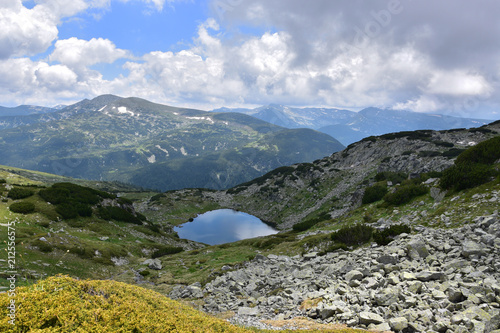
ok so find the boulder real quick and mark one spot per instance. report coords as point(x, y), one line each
point(398, 324)
point(367, 318)
point(417, 249)
point(153, 264)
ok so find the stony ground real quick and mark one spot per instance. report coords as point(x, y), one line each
point(437, 280)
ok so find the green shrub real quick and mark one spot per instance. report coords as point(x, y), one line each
point(22, 207)
point(463, 176)
point(42, 246)
point(84, 210)
point(353, 236)
point(2, 181)
point(145, 273)
point(124, 201)
point(486, 152)
point(410, 135)
point(166, 250)
point(84, 253)
point(428, 153)
point(454, 152)
point(309, 223)
point(333, 248)
point(20, 193)
point(394, 177)
point(374, 193)
point(384, 237)
point(405, 194)
point(68, 192)
point(443, 143)
point(55, 195)
point(67, 211)
point(118, 214)
point(473, 167)
point(157, 197)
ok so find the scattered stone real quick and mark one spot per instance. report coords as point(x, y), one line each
point(440, 280)
point(153, 264)
point(367, 318)
point(398, 324)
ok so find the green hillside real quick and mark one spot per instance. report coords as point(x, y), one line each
point(408, 180)
point(124, 139)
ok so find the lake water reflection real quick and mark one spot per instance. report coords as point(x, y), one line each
point(223, 226)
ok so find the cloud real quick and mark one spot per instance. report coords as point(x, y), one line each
point(383, 53)
point(388, 53)
point(78, 53)
point(36, 82)
point(55, 78)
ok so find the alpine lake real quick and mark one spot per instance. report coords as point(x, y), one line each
point(223, 226)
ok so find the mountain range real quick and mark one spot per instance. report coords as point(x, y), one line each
point(409, 215)
point(155, 146)
point(349, 126)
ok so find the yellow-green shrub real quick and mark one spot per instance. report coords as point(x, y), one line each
point(63, 304)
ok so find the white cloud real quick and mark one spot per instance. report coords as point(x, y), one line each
point(55, 78)
point(421, 58)
point(25, 31)
point(77, 53)
point(458, 83)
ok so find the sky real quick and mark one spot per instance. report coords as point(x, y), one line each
point(424, 56)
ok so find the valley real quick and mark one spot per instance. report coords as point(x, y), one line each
point(398, 181)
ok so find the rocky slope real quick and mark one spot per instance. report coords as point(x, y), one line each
point(335, 185)
point(437, 280)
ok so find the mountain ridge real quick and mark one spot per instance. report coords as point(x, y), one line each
point(349, 126)
point(114, 138)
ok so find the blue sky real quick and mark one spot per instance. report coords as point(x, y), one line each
point(398, 54)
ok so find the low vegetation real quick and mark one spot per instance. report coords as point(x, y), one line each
point(63, 304)
point(22, 207)
point(473, 167)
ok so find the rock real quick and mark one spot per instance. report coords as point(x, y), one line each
point(437, 194)
point(429, 276)
point(367, 318)
point(353, 275)
point(153, 264)
point(470, 248)
point(246, 311)
point(384, 327)
point(407, 276)
point(193, 291)
point(398, 324)
point(386, 259)
point(387, 297)
point(417, 249)
point(455, 295)
point(310, 255)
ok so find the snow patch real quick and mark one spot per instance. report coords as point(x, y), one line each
point(202, 118)
point(183, 151)
point(162, 149)
point(122, 109)
point(102, 108)
point(152, 159)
